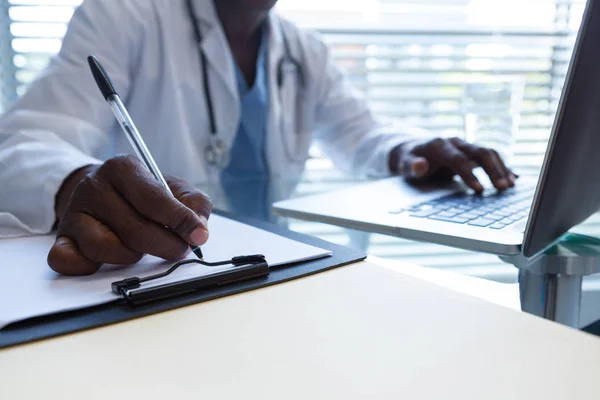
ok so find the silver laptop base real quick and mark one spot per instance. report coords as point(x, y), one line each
point(550, 284)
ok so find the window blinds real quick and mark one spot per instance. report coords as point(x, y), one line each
point(415, 61)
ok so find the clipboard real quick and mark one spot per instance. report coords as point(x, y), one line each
point(119, 310)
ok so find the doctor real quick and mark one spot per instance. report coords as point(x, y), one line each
point(220, 89)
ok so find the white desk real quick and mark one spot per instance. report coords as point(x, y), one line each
point(503, 294)
point(360, 331)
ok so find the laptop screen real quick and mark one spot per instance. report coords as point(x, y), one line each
point(568, 191)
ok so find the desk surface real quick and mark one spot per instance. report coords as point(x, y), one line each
point(361, 331)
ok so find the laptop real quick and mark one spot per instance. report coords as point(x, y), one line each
point(525, 219)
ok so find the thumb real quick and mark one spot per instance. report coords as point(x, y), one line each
point(414, 167)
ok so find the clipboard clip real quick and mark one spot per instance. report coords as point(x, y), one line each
point(247, 267)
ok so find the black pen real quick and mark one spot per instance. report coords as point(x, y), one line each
point(110, 95)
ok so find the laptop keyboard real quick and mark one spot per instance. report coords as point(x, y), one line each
point(491, 209)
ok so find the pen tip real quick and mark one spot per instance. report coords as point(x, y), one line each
point(198, 252)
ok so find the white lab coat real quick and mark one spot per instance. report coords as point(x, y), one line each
point(147, 46)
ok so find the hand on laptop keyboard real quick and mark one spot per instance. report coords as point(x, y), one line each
point(441, 159)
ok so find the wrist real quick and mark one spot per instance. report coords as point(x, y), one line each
point(394, 157)
point(65, 191)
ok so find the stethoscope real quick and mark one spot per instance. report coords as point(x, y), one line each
point(216, 152)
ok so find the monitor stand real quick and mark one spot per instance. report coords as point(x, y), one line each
point(550, 283)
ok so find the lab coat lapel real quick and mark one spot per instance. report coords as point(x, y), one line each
point(220, 62)
point(274, 141)
point(214, 45)
point(285, 147)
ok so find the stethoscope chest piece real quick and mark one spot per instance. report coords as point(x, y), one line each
point(216, 153)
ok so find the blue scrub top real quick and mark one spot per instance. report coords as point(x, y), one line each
point(248, 163)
